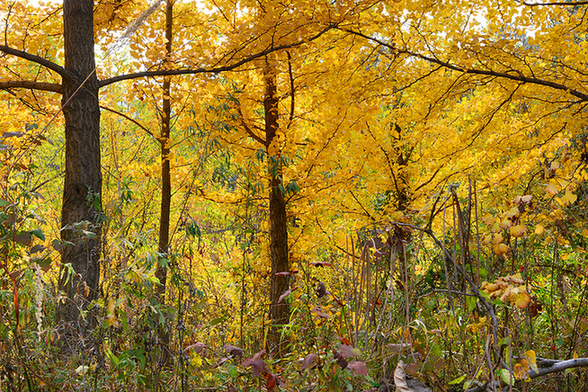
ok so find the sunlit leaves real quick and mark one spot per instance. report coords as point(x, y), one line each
point(508, 289)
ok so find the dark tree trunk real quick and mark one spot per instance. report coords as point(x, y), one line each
point(279, 311)
point(164, 139)
point(82, 190)
point(165, 208)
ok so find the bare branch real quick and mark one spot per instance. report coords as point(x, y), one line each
point(213, 70)
point(249, 131)
point(31, 85)
point(36, 59)
point(516, 77)
point(556, 3)
point(131, 120)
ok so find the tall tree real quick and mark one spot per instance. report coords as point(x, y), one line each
point(279, 258)
point(82, 190)
point(82, 210)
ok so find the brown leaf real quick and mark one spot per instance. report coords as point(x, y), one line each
point(400, 378)
point(257, 366)
point(396, 348)
point(348, 351)
point(321, 264)
point(359, 367)
point(271, 381)
point(285, 294)
point(197, 347)
point(321, 290)
point(341, 361)
point(317, 310)
point(233, 350)
point(308, 361)
point(23, 238)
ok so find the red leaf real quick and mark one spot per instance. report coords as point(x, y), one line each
point(198, 347)
point(271, 383)
point(257, 366)
point(286, 293)
point(309, 360)
point(359, 367)
point(321, 264)
point(233, 350)
point(285, 273)
point(317, 310)
point(348, 351)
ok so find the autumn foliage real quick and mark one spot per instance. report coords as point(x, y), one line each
point(305, 195)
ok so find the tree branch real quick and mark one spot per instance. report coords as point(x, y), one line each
point(213, 70)
point(35, 59)
point(559, 366)
point(556, 3)
point(131, 120)
point(31, 85)
point(518, 77)
point(554, 366)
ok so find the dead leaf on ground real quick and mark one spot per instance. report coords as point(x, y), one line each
point(400, 378)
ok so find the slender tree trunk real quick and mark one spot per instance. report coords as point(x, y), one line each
point(165, 209)
point(82, 190)
point(279, 311)
point(164, 139)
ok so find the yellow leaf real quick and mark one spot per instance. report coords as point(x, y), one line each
point(522, 300)
point(568, 198)
point(111, 305)
point(539, 229)
point(551, 189)
point(518, 230)
point(531, 359)
point(520, 370)
point(500, 249)
point(505, 224)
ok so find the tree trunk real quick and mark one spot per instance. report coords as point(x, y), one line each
point(82, 190)
point(164, 139)
point(165, 208)
point(279, 311)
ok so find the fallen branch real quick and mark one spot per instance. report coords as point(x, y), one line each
point(547, 366)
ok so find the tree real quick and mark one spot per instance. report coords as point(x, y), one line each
point(82, 209)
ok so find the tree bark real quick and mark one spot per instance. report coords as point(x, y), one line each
point(164, 139)
point(279, 311)
point(165, 207)
point(82, 190)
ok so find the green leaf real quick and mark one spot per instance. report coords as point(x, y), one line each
point(506, 377)
point(457, 380)
point(232, 371)
point(89, 234)
point(471, 302)
point(39, 234)
point(4, 203)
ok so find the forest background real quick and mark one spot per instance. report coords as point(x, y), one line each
point(297, 195)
